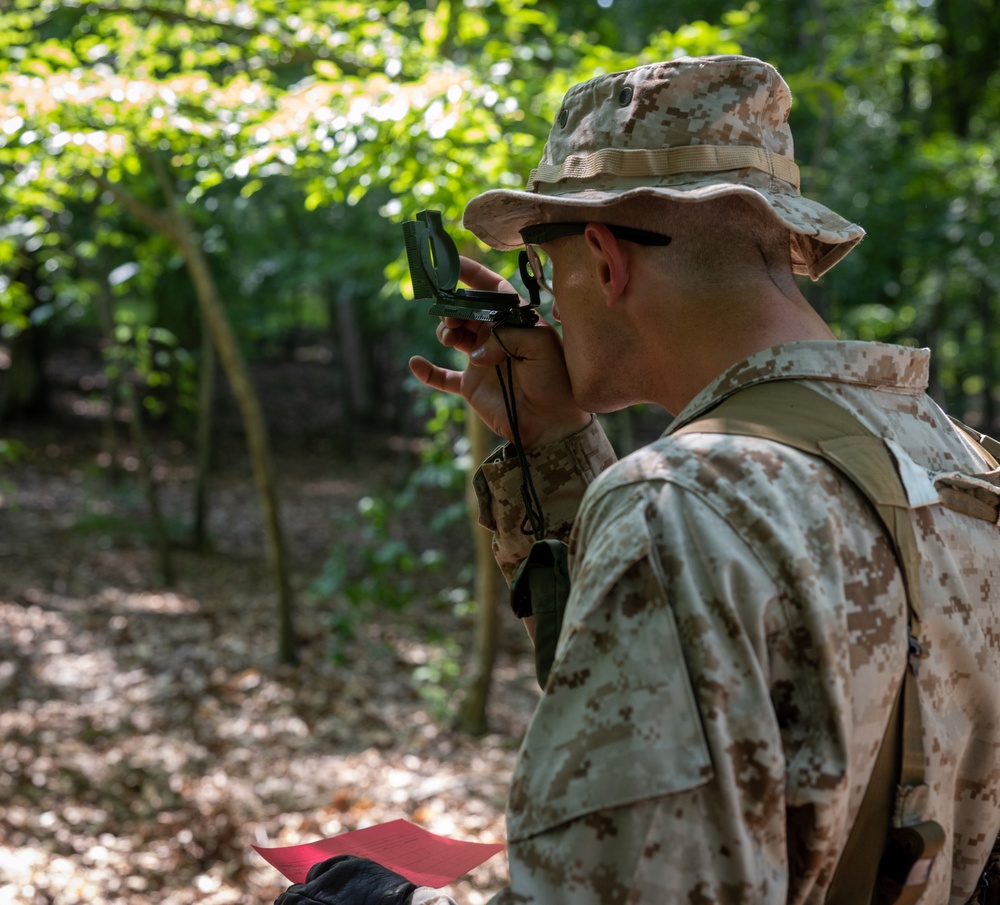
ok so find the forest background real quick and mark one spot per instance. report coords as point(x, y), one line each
point(241, 597)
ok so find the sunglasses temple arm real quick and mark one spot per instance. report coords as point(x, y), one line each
point(529, 280)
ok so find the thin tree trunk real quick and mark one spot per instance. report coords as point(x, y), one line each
point(989, 374)
point(355, 397)
point(238, 373)
point(173, 225)
point(930, 336)
point(23, 388)
point(472, 714)
point(105, 314)
point(148, 482)
point(825, 120)
point(206, 414)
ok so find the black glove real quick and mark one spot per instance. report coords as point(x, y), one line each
point(348, 880)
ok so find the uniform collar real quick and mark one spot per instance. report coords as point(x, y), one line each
point(863, 364)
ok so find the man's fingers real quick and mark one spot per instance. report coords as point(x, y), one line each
point(489, 353)
point(478, 276)
point(436, 378)
point(462, 334)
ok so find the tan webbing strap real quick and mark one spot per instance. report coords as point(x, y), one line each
point(911, 764)
point(989, 447)
point(857, 868)
point(794, 415)
point(653, 162)
point(975, 495)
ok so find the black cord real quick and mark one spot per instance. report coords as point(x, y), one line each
point(534, 518)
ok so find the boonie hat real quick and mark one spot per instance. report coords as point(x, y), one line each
point(686, 130)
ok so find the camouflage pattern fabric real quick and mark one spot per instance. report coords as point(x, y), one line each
point(560, 472)
point(731, 650)
point(687, 130)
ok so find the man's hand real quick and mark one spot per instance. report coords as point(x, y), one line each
point(348, 880)
point(543, 396)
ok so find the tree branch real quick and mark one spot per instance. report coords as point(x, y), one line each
point(160, 170)
point(142, 212)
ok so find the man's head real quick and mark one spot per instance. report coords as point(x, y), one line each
point(687, 130)
point(650, 320)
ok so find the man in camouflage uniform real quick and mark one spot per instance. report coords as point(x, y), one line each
point(736, 629)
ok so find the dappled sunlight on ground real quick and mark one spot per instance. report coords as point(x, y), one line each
point(147, 735)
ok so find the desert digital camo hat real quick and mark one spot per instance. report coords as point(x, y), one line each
point(687, 130)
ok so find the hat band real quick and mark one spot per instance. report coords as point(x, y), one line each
point(665, 162)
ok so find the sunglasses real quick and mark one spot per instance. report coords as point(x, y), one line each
point(540, 233)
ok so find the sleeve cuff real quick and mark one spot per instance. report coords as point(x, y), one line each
point(560, 471)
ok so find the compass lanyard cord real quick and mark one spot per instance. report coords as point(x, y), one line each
point(534, 518)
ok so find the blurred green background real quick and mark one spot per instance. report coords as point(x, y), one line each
point(286, 140)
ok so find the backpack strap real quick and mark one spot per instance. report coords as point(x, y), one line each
point(793, 414)
point(978, 495)
point(870, 869)
point(988, 447)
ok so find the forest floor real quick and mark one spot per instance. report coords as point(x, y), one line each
point(148, 734)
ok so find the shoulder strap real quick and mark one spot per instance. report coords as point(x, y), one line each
point(797, 416)
point(793, 414)
point(989, 447)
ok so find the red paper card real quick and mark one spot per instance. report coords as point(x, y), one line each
point(420, 856)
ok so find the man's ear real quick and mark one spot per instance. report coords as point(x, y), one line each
point(610, 260)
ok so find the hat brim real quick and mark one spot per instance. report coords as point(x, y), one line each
point(819, 237)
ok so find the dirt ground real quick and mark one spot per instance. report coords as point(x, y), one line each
point(148, 735)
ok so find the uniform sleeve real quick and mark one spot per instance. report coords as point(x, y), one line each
point(684, 679)
point(561, 472)
point(719, 691)
point(623, 789)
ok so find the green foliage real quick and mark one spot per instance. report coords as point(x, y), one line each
point(151, 357)
point(378, 570)
point(437, 680)
point(303, 122)
point(444, 454)
point(374, 571)
point(12, 452)
point(295, 136)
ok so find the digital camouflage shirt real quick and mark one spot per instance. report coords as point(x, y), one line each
point(732, 646)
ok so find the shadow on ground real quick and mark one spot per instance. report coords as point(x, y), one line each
point(147, 734)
